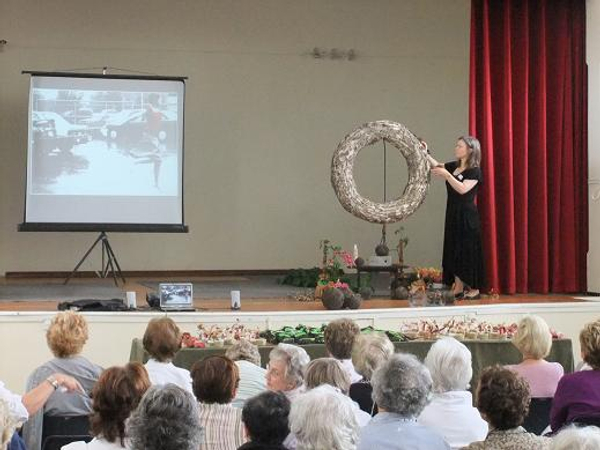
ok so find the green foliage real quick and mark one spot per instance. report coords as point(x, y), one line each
point(302, 277)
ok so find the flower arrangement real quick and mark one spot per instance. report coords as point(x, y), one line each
point(430, 274)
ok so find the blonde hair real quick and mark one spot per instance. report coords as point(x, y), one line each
point(327, 371)
point(369, 352)
point(67, 334)
point(533, 338)
point(589, 338)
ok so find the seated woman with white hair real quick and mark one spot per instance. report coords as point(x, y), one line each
point(534, 341)
point(331, 372)
point(285, 371)
point(401, 388)
point(323, 418)
point(451, 410)
point(581, 438)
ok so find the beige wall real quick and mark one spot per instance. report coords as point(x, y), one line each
point(263, 118)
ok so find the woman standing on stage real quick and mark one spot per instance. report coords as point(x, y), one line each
point(462, 259)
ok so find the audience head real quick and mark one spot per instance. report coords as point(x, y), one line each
point(116, 394)
point(7, 424)
point(402, 385)
point(313, 414)
point(244, 350)
point(533, 338)
point(583, 438)
point(286, 367)
point(266, 418)
point(327, 371)
point(67, 334)
point(162, 339)
point(449, 363)
point(339, 337)
point(502, 398)
point(369, 352)
point(167, 418)
point(215, 379)
point(589, 338)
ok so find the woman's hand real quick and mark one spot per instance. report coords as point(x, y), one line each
point(68, 383)
point(440, 172)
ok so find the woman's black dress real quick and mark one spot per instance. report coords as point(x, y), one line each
point(463, 256)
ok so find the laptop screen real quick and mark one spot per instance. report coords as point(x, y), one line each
point(176, 295)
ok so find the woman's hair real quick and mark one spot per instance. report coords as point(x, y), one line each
point(402, 385)
point(449, 363)
point(116, 394)
point(369, 352)
point(327, 371)
point(244, 350)
point(580, 438)
point(589, 338)
point(67, 334)
point(162, 339)
point(503, 397)
point(215, 379)
point(167, 418)
point(474, 149)
point(533, 338)
point(339, 337)
point(295, 359)
point(266, 418)
point(313, 414)
point(8, 424)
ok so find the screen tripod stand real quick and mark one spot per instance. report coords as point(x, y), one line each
point(110, 265)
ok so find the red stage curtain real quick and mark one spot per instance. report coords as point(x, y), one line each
point(528, 107)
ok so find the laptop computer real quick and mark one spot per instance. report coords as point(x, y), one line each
point(176, 296)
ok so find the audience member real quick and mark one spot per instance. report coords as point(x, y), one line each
point(503, 401)
point(8, 424)
point(66, 336)
point(339, 338)
point(167, 418)
point(401, 388)
point(451, 412)
point(162, 341)
point(285, 371)
point(577, 396)
point(534, 341)
point(215, 381)
point(252, 375)
point(580, 438)
point(265, 418)
point(368, 353)
point(116, 394)
point(323, 418)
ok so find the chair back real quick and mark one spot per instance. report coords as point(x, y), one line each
point(538, 418)
point(58, 431)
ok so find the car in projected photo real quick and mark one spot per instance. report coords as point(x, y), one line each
point(52, 132)
point(130, 128)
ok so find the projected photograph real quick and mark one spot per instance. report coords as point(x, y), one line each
point(116, 143)
point(175, 294)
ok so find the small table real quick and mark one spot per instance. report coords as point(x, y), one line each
point(395, 270)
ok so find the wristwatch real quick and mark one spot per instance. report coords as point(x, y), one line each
point(53, 381)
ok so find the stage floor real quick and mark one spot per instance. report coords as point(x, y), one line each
point(210, 294)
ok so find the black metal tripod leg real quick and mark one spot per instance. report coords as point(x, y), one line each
point(84, 258)
point(113, 260)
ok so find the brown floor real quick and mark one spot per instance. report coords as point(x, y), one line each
point(267, 304)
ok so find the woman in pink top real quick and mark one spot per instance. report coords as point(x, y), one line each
point(533, 339)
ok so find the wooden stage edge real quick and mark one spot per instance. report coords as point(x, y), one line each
point(249, 304)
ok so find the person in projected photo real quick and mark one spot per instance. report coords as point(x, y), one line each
point(150, 138)
point(462, 261)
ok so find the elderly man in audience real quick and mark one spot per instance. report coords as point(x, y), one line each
point(368, 353)
point(265, 418)
point(252, 375)
point(503, 401)
point(534, 341)
point(580, 438)
point(401, 388)
point(285, 371)
point(166, 419)
point(215, 382)
point(324, 418)
point(451, 411)
point(330, 371)
point(66, 336)
point(162, 340)
point(577, 397)
point(116, 394)
point(339, 337)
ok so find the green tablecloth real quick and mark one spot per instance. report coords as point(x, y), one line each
point(485, 353)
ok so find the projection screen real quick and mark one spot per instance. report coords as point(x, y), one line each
point(105, 153)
